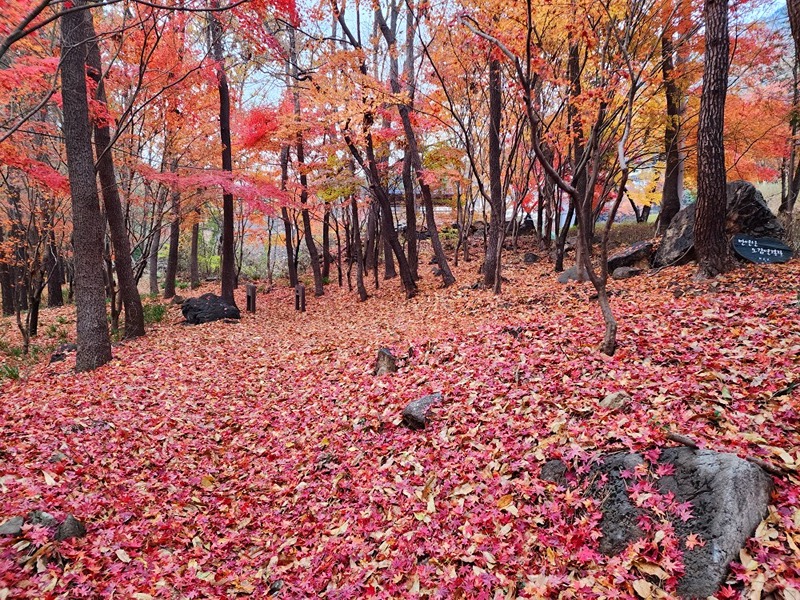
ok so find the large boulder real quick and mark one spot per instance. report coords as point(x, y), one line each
point(747, 213)
point(729, 497)
point(636, 255)
point(207, 308)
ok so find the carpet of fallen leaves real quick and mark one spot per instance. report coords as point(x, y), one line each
point(234, 460)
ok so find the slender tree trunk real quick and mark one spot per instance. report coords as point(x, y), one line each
point(413, 150)
point(134, 315)
point(228, 275)
point(174, 241)
point(327, 259)
point(55, 273)
point(671, 194)
point(710, 241)
point(6, 284)
point(287, 222)
point(152, 260)
point(94, 345)
point(582, 203)
point(362, 290)
point(194, 266)
point(494, 243)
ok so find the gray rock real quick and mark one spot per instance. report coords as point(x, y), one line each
point(620, 522)
point(415, 415)
point(39, 517)
point(385, 363)
point(177, 299)
point(554, 471)
point(746, 212)
point(70, 528)
point(571, 274)
point(626, 272)
point(61, 352)
point(530, 258)
point(615, 400)
point(729, 497)
point(677, 245)
point(637, 254)
point(12, 527)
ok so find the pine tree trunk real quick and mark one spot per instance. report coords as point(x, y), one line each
point(710, 241)
point(94, 345)
point(671, 193)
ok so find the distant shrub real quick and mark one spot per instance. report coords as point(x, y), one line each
point(9, 372)
point(154, 313)
point(625, 234)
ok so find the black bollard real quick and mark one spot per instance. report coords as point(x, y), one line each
point(251, 297)
point(300, 297)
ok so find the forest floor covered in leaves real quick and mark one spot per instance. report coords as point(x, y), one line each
point(234, 460)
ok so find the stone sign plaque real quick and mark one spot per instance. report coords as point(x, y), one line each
point(761, 249)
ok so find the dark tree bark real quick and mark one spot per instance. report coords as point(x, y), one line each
point(582, 203)
point(152, 260)
point(194, 266)
point(134, 315)
point(228, 275)
point(94, 345)
point(710, 241)
point(55, 273)
point(494, 243)
point(327, 259)
point(6, 284)
point(408, 182)
point(358, 258)
point(792, 169)
point(174, 242)
point(287, 222)
point(671, 193)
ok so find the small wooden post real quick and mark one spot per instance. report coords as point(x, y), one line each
point(251, 297)
point(300, 297)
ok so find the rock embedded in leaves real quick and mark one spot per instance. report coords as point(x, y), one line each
point(177, 299)
point(729, 497)
point(207, 308)
point(636, 255)
point(415, 415)
point(554, 471)
point(70, 528)
point(626, 272)
point(530, 258)
point(385, 363)
point(12, 527)
point(615, 400)
point(61, 352)
point(571, 274)
point(746, 213)
point(40, 517)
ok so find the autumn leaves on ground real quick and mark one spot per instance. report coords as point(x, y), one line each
point(232, 460)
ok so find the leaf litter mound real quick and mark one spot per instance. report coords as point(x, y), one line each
point(234, 460)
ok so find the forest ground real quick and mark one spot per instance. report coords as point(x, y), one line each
point(234, 460)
